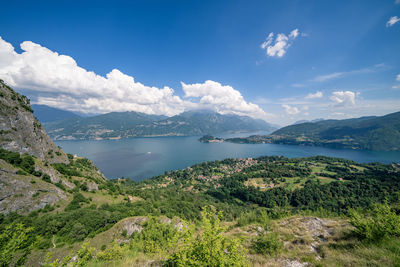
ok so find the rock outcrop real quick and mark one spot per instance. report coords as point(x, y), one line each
point(25, 193)
point(24, 189)
point(21, 132)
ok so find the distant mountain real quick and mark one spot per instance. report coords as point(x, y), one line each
point(304, 121)
point(48, 114)
point(117, 125)
point(374, 133)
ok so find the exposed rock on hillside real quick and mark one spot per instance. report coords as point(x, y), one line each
point(21, 132)
point(34, 172)
point(25, 193)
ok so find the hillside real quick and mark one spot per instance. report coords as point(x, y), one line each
point(118, 125)
point(275, 211)
point(34, 172)
point(373, 133)
point(48, 114)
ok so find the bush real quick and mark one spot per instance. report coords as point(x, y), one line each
point(210, 248)
point(267, 244)
point(156, 236)
point(46, 178)
point(13, 238)
point(78, 232)
point(378, 223)
point(76, 202)
point(115, 252)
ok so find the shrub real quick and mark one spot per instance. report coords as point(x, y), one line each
point(210, 247)
point(46, 178)
point(115, 252)
point(78, 232)
point(267, 244)
point(14, 237)
point(156, 236)
point(76, 202)
point(378, 223)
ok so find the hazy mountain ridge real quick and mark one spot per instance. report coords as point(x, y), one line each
point(118, 125)
point(46, 114)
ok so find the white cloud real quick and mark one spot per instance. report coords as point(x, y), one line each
point(335, 75)
point(222, 98)
point(277, 47)
point(317, 94)
point(344, 98)
point(60, 82)
point(323, 78)
point(397, 1)
point(398, 77)
point(393, 20)
point(291, 110)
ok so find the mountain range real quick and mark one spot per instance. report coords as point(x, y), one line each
point(371, 133)
point(116, 125)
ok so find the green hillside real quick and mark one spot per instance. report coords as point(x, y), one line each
point(373, 133)
point(272, 211)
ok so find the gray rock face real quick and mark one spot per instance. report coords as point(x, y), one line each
point(25, 193)
point(21, 132)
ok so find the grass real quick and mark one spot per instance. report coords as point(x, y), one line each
point(351, 252)
point(102, 197)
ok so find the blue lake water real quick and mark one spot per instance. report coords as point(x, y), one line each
point(141, 158)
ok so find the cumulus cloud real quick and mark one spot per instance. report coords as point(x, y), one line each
point(277, 46)
point(291, 110)
point(222, 98)
point(317, 94)
point(60, 82)
point(344, 98)
point(393, 20)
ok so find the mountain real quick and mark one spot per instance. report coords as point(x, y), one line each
point(34, 172)
point(304, 121)
point(48, 114)
point(373, 133)
point(118, 125)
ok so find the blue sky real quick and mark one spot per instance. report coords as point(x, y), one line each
point(337, 59)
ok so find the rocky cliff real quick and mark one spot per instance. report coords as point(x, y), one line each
point(34, 172)
point(21, 132)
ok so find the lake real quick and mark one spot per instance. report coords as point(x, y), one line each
point(141, 158)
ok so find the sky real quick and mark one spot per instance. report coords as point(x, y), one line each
point(281, 61)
